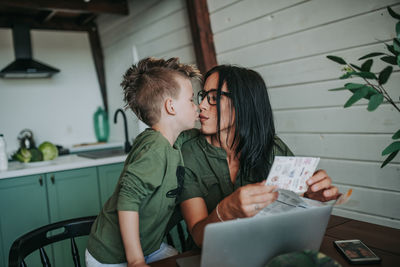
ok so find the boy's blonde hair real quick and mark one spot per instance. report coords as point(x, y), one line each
point(146, 84)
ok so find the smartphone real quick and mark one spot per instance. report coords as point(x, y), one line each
point(356, 252)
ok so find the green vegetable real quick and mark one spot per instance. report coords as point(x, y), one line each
point(48, 150)
point(36, 155)
point(23, 155)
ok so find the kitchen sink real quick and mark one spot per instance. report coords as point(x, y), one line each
point(105, 153)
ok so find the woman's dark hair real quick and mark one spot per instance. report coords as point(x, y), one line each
point(254, 124)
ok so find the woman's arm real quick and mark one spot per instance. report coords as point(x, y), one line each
point(246, 201)
point(195, 213)
point(129, 227)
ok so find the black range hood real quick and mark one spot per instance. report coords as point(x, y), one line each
point(24, 66)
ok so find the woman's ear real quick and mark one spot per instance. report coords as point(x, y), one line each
point(169, 106)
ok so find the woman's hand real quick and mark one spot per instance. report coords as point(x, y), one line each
point(247, 201)
point(320, 187)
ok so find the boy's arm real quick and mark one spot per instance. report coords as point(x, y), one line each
point(129, 227)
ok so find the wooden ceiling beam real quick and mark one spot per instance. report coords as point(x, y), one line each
point(53, 24)
point(77, 6)
point(48, 15)
point(86, 19)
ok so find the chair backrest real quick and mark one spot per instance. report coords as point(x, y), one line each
point(39, 238)
point(177, 236)
point(176, 232)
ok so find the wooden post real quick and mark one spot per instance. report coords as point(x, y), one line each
point(97, 53)
point(202, 35)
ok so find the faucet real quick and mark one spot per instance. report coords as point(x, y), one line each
point(127, 144)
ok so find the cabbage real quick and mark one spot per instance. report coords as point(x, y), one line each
point(48, 150)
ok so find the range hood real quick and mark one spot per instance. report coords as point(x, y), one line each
point(24, 66)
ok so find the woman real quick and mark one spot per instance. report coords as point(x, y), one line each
point(227, 163)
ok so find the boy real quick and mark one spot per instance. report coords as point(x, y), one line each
point(130, 228)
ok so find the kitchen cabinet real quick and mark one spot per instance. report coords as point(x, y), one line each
point(108, 178)
point(72, 194)
point(29, 202)
point(23, 207)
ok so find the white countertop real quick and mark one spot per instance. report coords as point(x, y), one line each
point(61, 163)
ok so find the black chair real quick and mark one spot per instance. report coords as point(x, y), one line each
point(39, 238)
point(177, 236)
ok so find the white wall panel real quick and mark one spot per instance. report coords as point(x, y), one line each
point(241, 12)
point(277, 22)
point(362, 173)
point(313, 95)
point(214, 5)
point(155, 28)
point(350, 120)
point(147, 17)
point(377, 202)
point(318, 68)
point(329, 38)
point(339, 146)
point(179, 38)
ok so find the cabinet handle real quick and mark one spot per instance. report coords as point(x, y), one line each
point(52, 179)
point(41, 180)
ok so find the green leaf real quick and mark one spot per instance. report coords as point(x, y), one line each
point(398, 60)
point(338, 89)
point(371, 92)
point(337, 59)
point(347, 75)
point(353, 85)
point(398, 30)
point(371, 55)
point(375, 101)
point(391, 49)
point(360, 93)
point(385, 74)
point(396, 46)
point(389, 159)
point(366, 66)
point(395, 146)
point(366, 75)
point(396, 135)
point(356, 67)
point(392, 13)
point(362, 74)
point(389, 59)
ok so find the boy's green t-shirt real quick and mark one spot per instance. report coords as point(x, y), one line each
point(149, 185)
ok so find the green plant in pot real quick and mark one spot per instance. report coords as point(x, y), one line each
point(372, 85)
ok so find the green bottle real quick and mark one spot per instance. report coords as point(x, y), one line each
point(101, 126)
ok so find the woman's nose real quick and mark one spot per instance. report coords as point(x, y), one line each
point(203, 104)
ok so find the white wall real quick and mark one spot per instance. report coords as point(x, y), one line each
point(58, 109)
point(287, 42)
point(156, 28)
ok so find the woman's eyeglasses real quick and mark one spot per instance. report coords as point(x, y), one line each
point(211, 96)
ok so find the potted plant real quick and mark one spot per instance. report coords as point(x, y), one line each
point(372, 88)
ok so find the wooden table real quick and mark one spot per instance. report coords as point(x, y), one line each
point(384, 241)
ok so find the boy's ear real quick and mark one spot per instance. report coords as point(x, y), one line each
point(169, 106)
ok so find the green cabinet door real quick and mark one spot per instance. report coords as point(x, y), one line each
point(23, 208)
point(72, 194)
point(108, 178)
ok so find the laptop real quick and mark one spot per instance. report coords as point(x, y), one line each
point(254, 241)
